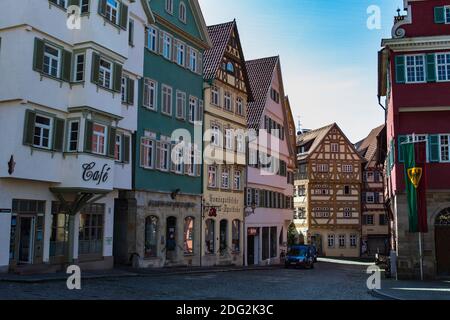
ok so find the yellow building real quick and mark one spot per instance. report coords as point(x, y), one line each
point(328, 192)
point(227, 92)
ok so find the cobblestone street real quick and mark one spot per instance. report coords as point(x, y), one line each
point(326, 281)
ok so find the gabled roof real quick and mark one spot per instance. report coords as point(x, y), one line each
point(220, 35)
point(260, 73)
point(368, 147)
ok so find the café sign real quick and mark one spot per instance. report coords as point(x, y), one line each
point(94, 173)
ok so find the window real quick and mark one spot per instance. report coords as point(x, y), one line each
point(60, 233)
point(74, 132)
point(169, 6)
point(52, 61)
point(193, 61)
point(323, 168)
point(112, 11)
point(370, 220)
point(189, 223)
point(215, 135)
point(273, 242)
point(353, 240)
point(182, 12)
point(227, 102)
point(447, 15)
point(347, 212)
point(342, 241)
point(331, 240)
point(150, 96)
point(240, 140)
point(210, 226)
point(181, 49)
point(212, 176)
point(377, 176)
point(383, 219)
point(415, 68)
point(90, 240)
point(147, 152)
point(347, 168)
point(230, 67)
point(79, 67)
point(239, 107)
point(152, 41)
point(151, 240)
point(181, 105)
point(215, 94)
point(123, 89)
point(229, 137)
point(274, 95)
point(167, 46)
point(118, 148)
point(334, 147)
point(301, 191)
point(192, 107)
point(99, 139)
point(223, 237)
point(443, 66)
point(166, 100)
point(370, 197)
point(225, 178)
point(105, 74)
point(164, 156)
point(237, 180)
point(178, 151)
point(445, 155)
point(131, 32)
point(42, 132)
point(236, 236)
point(84, 6)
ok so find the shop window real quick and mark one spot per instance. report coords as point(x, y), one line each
point(223, 237)
point(151, 242)
point(209, 236)
point(91, 230)
point(189, 235)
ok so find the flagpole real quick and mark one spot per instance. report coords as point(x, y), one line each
point(421, 256)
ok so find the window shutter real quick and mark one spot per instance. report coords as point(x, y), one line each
point(188, 57)
point(95, 74)
point(117, 77)
point(58, 134)
point(111, 141)
point(142, 153)
point(66, 66)
point(401, 156)
point(102, 7)
point(125, 149)
point(158, 155)
point(161, 43)
point(431, 67)
point(200, 62)
point(439, 15)
point(174, 50)
point(130, 91)
point(123, 16)
point(376, 197)
point(434, 148)
point(38, 59)
point(198, 162)
point(88, 136)
point(400, 69)
point(146, 37)
point(200, 111)
point(173, 166)
point(28, 132)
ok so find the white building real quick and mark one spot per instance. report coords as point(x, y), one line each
point(68, 109)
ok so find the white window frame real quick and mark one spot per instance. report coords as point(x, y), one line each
point(229, 138)
point(212, 172)
point(215, 135)
point(442, 146)
point(164, 154)
point(118, 143)
point(152, 40)
point(225, 178)
point(150, 86)
point(347, 168)
point(193, 60)
point(348, 213)
point(237, 180)
point(353, 240)
point(446, 66)
point(110, 10)
point(167, 46)
point(181, 53)
point(419, 138)
point(147, 145)
point(69, 138)
point(52, 58)
point(370, 197)
point(78, 64)
point(415, 67)
point(167, 98)
point(331, 241)
point(181, 103)
point(323, 168)
point(103, 72)
point(215, 96)
point(193, 103)
point(341, 238)
point(41, 128)
point(98, 136)
point(240, 141)
point(447, 14)
point(169, 6)
point(182, 12)
point(240, 106)
point(123, 89)
point(334, 147)
point(227, 101)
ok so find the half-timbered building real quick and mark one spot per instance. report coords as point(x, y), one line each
point(328, 191)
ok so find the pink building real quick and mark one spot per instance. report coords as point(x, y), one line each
point(269, 194)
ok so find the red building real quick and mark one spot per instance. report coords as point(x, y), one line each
point(414, 77)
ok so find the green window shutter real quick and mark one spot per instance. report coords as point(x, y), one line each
point(439, 15)
point(88, 136)
point(66, 68)
point(123, 16)
point(117, 77)
point(431, 67)
point(95, 74)
point(125, 149)
point(73, 3)
point(433, 145)
point(38, 59)
point(400, 75)
point(28, 132)
point(102, 7)
point(111, 141)
point(401, 156)
point(58, 134)
point(130, 91)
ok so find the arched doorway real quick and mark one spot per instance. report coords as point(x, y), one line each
point(442, 235)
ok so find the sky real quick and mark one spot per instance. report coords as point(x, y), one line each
point(328, 54)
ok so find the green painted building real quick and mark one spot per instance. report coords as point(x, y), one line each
point(158, 224)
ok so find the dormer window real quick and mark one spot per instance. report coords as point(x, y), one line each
point(230, 67)
point(112, 10)
point(182, 12)
point(169, 6)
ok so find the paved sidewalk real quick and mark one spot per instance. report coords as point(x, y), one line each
point(414, 290)
point(127, 272)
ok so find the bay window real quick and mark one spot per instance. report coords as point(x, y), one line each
point(74, 132)
point(52, 61)
point(99, 139)
point(105, 74)
point(79, 67)
point(112, 11)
